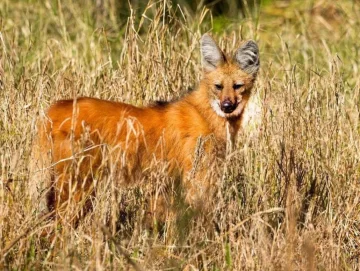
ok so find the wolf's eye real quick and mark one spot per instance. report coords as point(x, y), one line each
point(237, 86)
point(219, 86)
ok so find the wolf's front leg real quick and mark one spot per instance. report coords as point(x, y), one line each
point(201, 184)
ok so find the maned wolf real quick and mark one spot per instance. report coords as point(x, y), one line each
point(74, 132)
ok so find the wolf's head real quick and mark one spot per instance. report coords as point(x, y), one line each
point(229, 80)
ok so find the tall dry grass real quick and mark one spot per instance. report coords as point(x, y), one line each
point(289, 194)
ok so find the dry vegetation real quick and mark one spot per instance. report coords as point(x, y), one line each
point(290, 193)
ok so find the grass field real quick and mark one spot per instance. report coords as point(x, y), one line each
point(290, 193)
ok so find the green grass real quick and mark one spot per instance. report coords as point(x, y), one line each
point(290, 194)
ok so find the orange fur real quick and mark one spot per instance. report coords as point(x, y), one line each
point(79, 128)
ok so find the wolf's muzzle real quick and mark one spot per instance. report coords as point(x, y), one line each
point(227, 106)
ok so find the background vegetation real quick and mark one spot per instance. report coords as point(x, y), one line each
point(289, 197)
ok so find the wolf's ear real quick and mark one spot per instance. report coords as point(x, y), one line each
point(211, 55)
point(247, 57)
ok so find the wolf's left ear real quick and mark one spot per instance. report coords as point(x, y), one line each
point(247, 57)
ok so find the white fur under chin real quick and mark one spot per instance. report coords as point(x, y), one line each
point(252, 114)
point(215, 104)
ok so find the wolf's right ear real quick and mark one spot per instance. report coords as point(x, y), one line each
point(211, 54)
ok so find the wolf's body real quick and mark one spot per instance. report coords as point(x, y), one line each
point(74, 132)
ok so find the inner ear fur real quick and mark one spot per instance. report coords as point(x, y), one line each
point(247, 57)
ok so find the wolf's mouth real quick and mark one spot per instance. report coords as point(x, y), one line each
point(228, 107)
point(235, 112)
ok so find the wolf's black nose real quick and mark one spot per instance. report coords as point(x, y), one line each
point(227, 106)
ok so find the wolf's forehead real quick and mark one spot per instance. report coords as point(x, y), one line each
point(232, 71)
